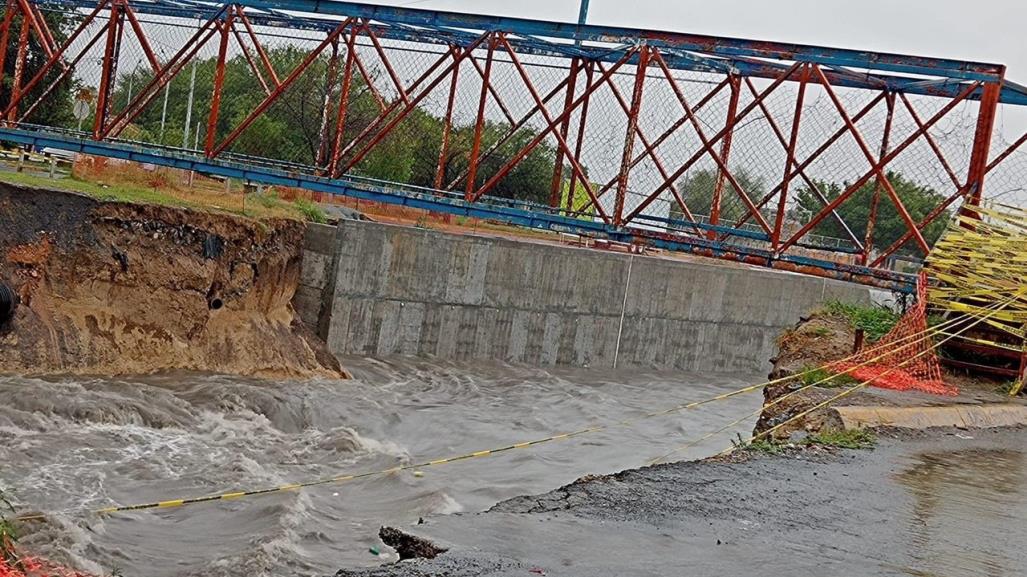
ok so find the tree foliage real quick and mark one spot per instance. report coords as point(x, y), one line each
point(697, 189)
point(290, 129)
point(855, 211)
point(55, 109)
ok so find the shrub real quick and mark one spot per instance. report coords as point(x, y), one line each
point(875, 321)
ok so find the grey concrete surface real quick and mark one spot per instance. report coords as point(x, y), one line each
point(376, 290)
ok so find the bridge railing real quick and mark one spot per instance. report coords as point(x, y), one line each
point(787, 148)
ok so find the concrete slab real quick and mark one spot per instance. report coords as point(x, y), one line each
point(963, 416)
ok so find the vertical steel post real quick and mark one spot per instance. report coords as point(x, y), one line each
point(189, 107)
point(782, 201)
point(19, 66)
point(735, 84)
point(629, 137)
point(447, 126)
point(573, 189)
point(868, 242)
point(340, 117)
point(479, 123)
point(557, 184)
point(164, 113)
point(5, 37)
point(109, 70)
point(219, 81)
point(982, 142)
point(322, 131)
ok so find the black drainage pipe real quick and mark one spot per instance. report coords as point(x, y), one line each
point(8, 302)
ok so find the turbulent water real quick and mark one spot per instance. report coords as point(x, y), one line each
point(73, 444)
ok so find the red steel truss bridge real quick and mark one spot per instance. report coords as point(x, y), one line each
point(818, 160)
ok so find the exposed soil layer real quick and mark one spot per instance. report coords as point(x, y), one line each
point(114, 288)
point(822, 338)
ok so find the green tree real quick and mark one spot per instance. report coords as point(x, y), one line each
point(55, 109)
point(855, 211)
point(697, 190)
point(290, 129)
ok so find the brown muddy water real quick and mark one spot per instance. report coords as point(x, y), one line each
point(73, 443)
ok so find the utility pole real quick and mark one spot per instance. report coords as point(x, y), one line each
point(189, 107)
point(582, 17)
point(164, 113)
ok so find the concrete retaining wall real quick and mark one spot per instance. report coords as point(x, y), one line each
point(374, 289)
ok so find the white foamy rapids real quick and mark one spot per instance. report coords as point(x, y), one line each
point(82, 443)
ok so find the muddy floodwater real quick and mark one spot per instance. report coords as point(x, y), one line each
point(73, 443)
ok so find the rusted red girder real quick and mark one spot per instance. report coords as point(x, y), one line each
point(782, 199)
point(707, 148)
point(275, 94)
point(54, 58)
point(810, 183)
point(447, 127)
point(5, 38)
point(167, 72)
point(340, 117)
point(648, 147)
point(932, 143)
point(141, 37)
point(108, 69)
point(249, 59)
point(641, 67)
point(875, 200)
point(479, 122)
point(655, 144)
point(224, 27)
point(582, 120)
point(257, 45)
point(982, 140)
point(800, 168)
point(603, 79)
point(876, 169)
point(551, 124)
point(734, 82)
point(510, 132)
point(388, 126)
point(556, 184)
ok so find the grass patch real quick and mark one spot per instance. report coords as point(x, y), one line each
point(205, 197)
point(843, 439)
point(875, 321)
point(814, 375)
point(311, 211)
point(764, 446)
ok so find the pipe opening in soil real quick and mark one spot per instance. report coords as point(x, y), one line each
point(8, 303)
point(215, 304)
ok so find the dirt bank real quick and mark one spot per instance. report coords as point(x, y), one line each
point(825, 337)
point(115, 288)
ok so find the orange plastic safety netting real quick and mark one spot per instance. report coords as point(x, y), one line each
point(13, 563)
point(904, 359)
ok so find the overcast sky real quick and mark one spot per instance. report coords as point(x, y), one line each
point(983, 30)
point(986, 30)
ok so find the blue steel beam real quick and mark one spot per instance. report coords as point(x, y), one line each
point(883, 61)
point(443, 202)
point(687, 56)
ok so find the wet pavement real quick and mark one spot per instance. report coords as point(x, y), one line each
point(942, 503)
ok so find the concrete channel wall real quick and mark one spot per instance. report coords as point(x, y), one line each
point(376, 290)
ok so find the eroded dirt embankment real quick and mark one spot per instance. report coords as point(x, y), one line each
point(115, 288)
